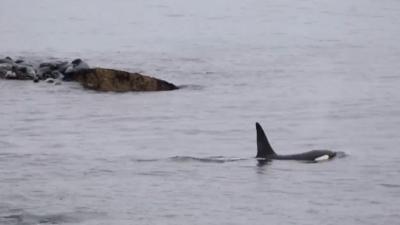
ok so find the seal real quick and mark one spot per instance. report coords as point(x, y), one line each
point(265, 151)
point(76, 65)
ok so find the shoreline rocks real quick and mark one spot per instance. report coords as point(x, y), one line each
point(17, 70)
point(99, 79)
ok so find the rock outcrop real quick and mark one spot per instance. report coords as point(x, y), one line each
point(98, 79)
point(101, 79)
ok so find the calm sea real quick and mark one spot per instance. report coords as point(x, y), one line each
point(316, 74)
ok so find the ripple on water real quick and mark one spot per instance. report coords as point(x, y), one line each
point(212, 159)
point(183, 159)
point(5, 145)
point(22, 217)
point(391, 186)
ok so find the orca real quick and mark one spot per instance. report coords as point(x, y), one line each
point(265, 151)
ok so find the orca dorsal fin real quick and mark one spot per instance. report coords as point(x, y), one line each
point(264, 149)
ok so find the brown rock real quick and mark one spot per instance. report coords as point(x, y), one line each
point(101, 79)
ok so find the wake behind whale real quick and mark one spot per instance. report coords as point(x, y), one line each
point(188, 159)
point(264, 152)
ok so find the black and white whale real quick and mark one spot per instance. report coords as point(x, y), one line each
point(265, 151)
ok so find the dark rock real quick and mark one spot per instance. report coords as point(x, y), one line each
point(119, 81)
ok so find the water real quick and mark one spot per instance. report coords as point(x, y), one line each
point(315, 74)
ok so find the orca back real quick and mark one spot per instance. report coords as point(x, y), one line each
point(264, 149)
point(314, 155)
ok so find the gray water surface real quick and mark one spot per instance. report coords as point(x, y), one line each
point(315, 74)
